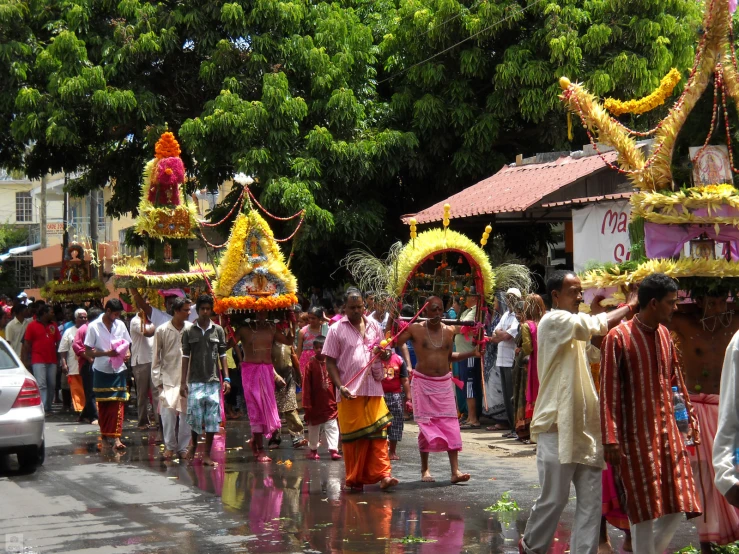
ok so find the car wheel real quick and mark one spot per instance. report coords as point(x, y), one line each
point(31, 457)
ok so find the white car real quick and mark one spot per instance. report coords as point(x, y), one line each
point(21, 411)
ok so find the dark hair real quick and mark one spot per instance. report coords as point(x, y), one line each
point(535, 307)
point(656, 286)
point(93, 313)
point(114, 305)
point(202, 300)
point(179, 302)
point(557, 279)
point(320, 339)
point(407, 311)
point(17, 309)
point(43, 310)
point(351, 292)
point(316, 311)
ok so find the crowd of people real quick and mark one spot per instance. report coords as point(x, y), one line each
point(595, 392)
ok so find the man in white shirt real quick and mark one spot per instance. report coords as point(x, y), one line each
point(166, 377)
point(157, 316)
point(566, 421)
point(70, 364)
point(726, 443)
point(109, 382)
point(504, 336)
point(142, 337)
point(16, 328)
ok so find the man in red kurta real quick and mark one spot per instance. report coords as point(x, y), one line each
point(639, 367)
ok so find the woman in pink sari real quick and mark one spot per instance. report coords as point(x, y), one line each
point(308, 334)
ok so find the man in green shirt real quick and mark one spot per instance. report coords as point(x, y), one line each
point(203, 347)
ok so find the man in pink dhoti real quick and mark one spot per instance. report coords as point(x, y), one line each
point(259, 378)
point(434, 406)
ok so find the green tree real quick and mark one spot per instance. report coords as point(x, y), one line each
point(282, 91)
point(477, 81)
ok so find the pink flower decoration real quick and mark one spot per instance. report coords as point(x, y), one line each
point(170, 171)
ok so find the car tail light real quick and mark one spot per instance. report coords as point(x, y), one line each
point(29, 395)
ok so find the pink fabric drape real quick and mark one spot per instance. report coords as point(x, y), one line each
point(666, 241)
point(532, 384)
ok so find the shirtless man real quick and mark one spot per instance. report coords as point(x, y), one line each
point(259, 378)
point(435, 410)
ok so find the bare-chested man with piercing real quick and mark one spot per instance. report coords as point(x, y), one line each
point(259, 378)
point(434, 406)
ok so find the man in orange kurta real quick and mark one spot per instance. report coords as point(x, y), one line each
point(639, 367)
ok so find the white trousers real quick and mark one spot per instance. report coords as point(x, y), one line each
point(653, 536)
point(174, 441)
point(555, 479)
point(330, 428)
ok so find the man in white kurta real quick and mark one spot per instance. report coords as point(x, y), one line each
point(166, 376)
point(566, 420)
point(726, 443)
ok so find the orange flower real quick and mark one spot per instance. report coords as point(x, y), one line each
point(248, 303)
point(167, 146)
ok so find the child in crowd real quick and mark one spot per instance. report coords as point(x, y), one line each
point(307, 335)
point(319, 402)
point(287, 404)
point(397, 393)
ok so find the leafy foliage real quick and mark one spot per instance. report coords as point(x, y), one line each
point(334, 108)
point(504, 504)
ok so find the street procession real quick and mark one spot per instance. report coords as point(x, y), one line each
point(418, 276)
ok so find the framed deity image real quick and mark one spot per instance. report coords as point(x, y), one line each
point(703, 249)
point(712, 166)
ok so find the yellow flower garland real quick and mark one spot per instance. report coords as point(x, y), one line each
point(662, 208)
point(687, 267)
point(647, 103)
point(133, 274)
point(236, 263)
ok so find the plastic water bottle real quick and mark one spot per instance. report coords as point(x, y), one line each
point(681, 415)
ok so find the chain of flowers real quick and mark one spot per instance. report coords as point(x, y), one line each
point(720, 71)
point(216, 246)
point(679, 102)
point(295, 232)
point(593, 142)
point(239, 203)
point(251, 194)
point(718, 82)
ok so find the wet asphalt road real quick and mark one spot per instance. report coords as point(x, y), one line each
point(82, 501)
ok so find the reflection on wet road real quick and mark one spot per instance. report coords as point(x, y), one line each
point(82, 501)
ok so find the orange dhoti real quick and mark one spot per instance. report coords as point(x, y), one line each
point(363, 422)
point(78, 392)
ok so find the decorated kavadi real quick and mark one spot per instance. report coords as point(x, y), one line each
point(167, 219)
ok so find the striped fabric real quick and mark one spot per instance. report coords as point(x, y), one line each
point(353, 352)
point(638, 368)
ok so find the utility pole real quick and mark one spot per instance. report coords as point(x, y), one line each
point(94, 228)
point(42, 217)
point(65, 232)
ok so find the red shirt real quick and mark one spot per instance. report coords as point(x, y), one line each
point(43, 341)
point(393, 370)
point(319, 394)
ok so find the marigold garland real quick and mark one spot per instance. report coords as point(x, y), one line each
point(252, 303)
point(167, 146)
point(649, 102)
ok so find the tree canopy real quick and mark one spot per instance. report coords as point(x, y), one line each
point(355, 111)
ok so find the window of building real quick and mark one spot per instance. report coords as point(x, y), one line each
point(23, 207)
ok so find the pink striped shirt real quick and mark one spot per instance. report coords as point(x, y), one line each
point(352, 353)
